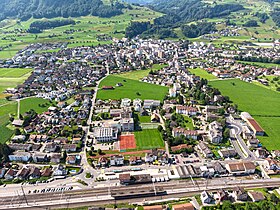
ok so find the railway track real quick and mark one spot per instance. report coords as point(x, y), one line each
point(82, 197)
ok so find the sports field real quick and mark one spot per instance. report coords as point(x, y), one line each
point(127, 142)
point(131, 89)
point(148, 139)
point(263, 104)
point(202, 73)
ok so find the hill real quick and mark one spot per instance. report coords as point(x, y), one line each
point(25, 9)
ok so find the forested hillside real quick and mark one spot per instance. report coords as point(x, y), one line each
point(178, 13)
point(25, 9)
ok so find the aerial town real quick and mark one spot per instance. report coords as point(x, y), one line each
point(193, 136)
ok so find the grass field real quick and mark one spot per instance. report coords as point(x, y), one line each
point(13, 72)
point(137, 75)
point(261, 103)
point(131, 89)
point(5, 111)
point(148, 139)
point(202, 73)
point(86, 30)
point(39, 105)
point(144, 119)
point(271, 125)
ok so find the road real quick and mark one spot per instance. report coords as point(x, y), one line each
point(172, 189)
point(84, 163)
point(238, 142)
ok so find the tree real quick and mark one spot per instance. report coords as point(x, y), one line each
point(99, 151)
point(160, 128)
point(226, 133)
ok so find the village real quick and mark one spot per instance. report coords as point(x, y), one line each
point(198, 131)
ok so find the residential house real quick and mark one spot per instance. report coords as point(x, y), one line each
point(34, 173)
point(103, 162)
point(116, 160)
point(2, 172)
point(135, 160)
point(256, 196)
point(205, 150)
point(206, 198)
point(240, 194)
point(71, 159)
point(275, 153)
point(59, 171)
point(127, 124)
point(50, 147)
point(151, 104)
point(55, 158)
point(186, 110)
point(253, 142)
point(69, 147)
point(46, 172)
point(215, 132)
point(190, 134)
point(261, 153)
point(227, 153)
point(10, 174)
point(23, 173)
point(222, 195)
point(20, 156)
point(40, 158)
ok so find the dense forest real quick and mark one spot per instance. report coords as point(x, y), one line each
point(179, 12)
point(276, 16)
point(39, 25)
point(25, 9)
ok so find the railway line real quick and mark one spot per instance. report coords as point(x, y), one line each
point(173, 189)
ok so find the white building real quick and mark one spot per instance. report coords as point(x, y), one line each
point(105, 134)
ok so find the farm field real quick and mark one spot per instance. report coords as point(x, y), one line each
point(261, 103)
point(5, 111)
point(202, 73)
point(271, 125)
point(39, 105)
point(86, 30)
point(13, 72)
point(131, 89)
point(148, 139)
point(9, 78)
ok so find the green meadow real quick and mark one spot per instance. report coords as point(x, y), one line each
point(263, 104)
point(131, 89)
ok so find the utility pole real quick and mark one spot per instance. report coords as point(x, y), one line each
point(24, 195)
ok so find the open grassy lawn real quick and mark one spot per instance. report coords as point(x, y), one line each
point(145, 119)
point(5, 110)
point(148, 139)
point(202, 73)
point(13, 72)
point(188, 122)
point(271, 125)
point(131, 89)
point(37, 104)
point(263, 104)
point(137, 75)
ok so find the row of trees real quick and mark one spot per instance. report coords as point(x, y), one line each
point(258, 59)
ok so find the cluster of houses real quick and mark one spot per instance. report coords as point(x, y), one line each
point(237, 194)
point(32, 172)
